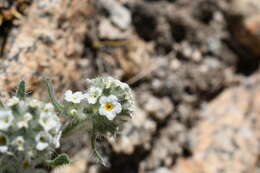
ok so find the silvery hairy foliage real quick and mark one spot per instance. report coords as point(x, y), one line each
point(30, 131)
point(101, 110)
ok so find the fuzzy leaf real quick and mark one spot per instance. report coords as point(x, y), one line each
point(20, 93)
point(62, 159)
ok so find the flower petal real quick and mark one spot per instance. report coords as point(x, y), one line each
point(112, 98)
point(41, 146)
point(103, 100)
point(118, 107)
point(68, 93)
point(110, 115)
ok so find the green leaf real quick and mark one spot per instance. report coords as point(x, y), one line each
point(20, 93)
point(53, 98)
point(62, 159)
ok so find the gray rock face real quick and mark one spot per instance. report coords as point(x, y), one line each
point(44, 45)
point(227, 138)
point(245, 16)
point(187, 61)
point(119, 15)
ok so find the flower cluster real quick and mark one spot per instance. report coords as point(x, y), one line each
point(101, 110)
point(106, 103)
point(29, 131)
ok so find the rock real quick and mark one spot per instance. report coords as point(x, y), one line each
point(244, 23)
point(161, 170)
point(166, 147)
point(44, 46)
point(227, 138)
point(160, 108)
point(11, 10)
point(109, 32)
point(135, 133)
point(119, 15)
point(245, 8)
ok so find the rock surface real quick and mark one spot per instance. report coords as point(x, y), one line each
point(245, 17)
point(49, 42)
point(227, 138)
point(194, 66)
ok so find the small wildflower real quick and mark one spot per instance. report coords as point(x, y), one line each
point(35, 103)
point(30, 127)
point(55, 130)
point(6, 119)
point(48, 107)
point(42, 140)
point(19, 142)
point(24, 122)
point(48, 121)
point(74, 97)
point(109, 107)
point(93, 94)
point(13, 101)
point(107, 97)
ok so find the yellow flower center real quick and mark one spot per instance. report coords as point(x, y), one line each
point(2, 140)
point(109, 106)
point(5, 119)
point(26, 164)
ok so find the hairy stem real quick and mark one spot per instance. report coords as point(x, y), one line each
point(96, 152)
point(53, 98)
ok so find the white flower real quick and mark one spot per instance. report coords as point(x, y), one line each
point(93, 94)
point(74, 97)
point(19, 142)
point(35, 103)
point(49, 120)
point(42, 140)
point(109, 106)
point(13, 101)
point(57, 129)
point(3, 143)
point(24, 123)
point(6, 119)
point(48, 107)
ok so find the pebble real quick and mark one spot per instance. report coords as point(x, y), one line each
point(119, 15)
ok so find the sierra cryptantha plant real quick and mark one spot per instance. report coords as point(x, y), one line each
point(102, 110)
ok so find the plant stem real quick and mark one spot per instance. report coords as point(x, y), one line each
point(53, 98)
point(96, 152)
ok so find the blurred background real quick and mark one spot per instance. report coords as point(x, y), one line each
point(193, 64)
